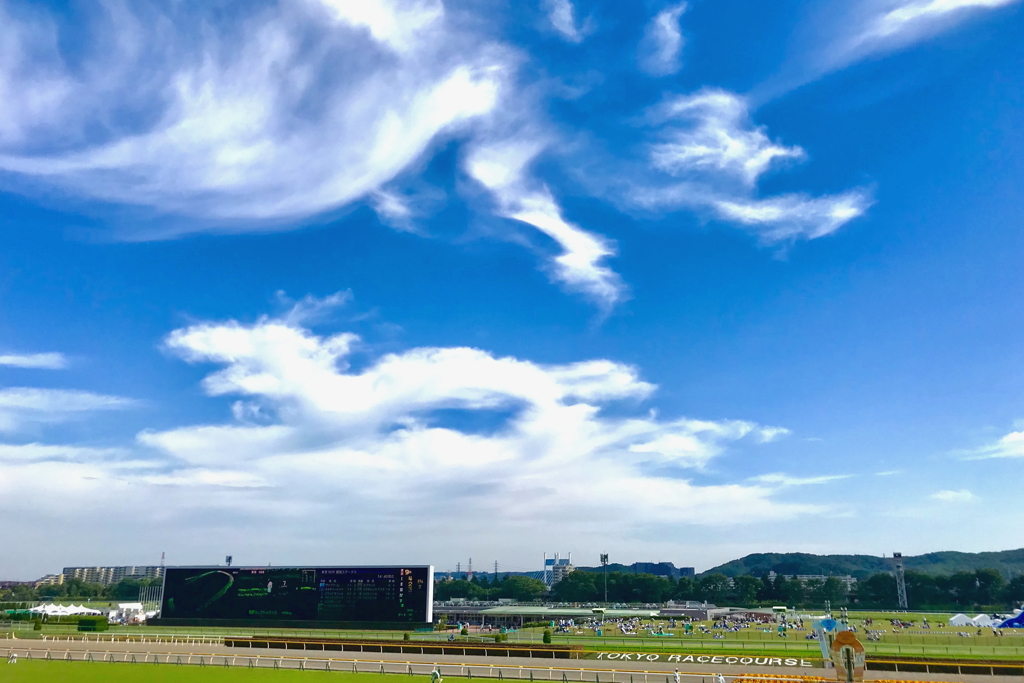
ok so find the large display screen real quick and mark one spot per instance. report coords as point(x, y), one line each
point(299, 596)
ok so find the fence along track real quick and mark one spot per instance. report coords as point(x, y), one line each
point(366, 666)
point(132, 638)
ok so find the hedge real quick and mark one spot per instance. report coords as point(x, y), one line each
point(93, 624)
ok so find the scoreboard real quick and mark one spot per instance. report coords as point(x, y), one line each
point(297, 597)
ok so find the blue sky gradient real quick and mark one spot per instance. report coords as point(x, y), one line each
point(330, 282)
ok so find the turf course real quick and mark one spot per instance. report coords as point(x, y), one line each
point(80, 672)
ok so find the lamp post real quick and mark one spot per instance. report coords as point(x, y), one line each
point(604, 563)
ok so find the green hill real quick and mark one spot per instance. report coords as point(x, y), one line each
point(1009, 562)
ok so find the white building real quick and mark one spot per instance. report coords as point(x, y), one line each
point(109, 575)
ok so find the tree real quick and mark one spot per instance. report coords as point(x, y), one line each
point(812, 593)
point(878, 590)
point(685, 589)
point(791, 590)
point(578, 587)
point(1013, 593)
point(714, 588)
point(745, 588)
point(833, 590)
point(23, 592)
point(768, 592)
point(521, 588)
point(459, 588)
point(988, 587)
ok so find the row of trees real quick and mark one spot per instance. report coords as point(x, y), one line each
point(713, 588)
point(521, 588)
point(125, 589)
point(981, 588)
point(962, 590)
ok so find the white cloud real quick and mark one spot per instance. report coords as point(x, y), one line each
point(373, 444)
point(709, 145)
point(878, 26)
point(662, 44)
point(562, 15)
point(791, 216)
point(47, 361)
point(716, 137)
point(372, 436)
point(343, 455)
point(24, 405)
point(231, 128)
point(959, 496)
point(501, 168)
point(35, 452)
point(784, 480)
point(310, 309)
point(1009, 446)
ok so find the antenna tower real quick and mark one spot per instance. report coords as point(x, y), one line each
point(901, 584)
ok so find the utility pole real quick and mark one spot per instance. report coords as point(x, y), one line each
point(604, 563)
point(901, 584)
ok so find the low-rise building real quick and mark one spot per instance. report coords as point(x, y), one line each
point(109, 575)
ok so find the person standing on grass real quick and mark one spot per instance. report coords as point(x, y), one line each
point(12, 658)
point(435, 675)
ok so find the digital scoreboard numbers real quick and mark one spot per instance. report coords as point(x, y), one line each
point(315, 597)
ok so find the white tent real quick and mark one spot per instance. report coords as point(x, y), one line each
point(53, 610)
point(960, 620)
point(983, 620)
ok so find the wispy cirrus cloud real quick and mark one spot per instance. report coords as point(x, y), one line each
point(715, 156)
point(25, 405)
point(888, 24)
point(562, 15)
point(951, 496)
point(44, 361)
point(502, 167)
point(1009, 446)
point(785, 480)
point(249, 124)
point(844, 33)
point(662, 45)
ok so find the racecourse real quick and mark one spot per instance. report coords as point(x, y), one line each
point(118, 659)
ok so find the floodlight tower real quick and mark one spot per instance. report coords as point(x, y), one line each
point(604, 563)
point(901, 584)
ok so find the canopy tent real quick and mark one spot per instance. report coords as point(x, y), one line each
point(1016, 621)
point(984, 620)
point(53, 610)
point(960, 620)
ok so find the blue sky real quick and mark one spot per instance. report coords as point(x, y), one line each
point(330, 282)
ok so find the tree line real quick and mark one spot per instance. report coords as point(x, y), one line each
point(983, 588)
point(125, 589)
